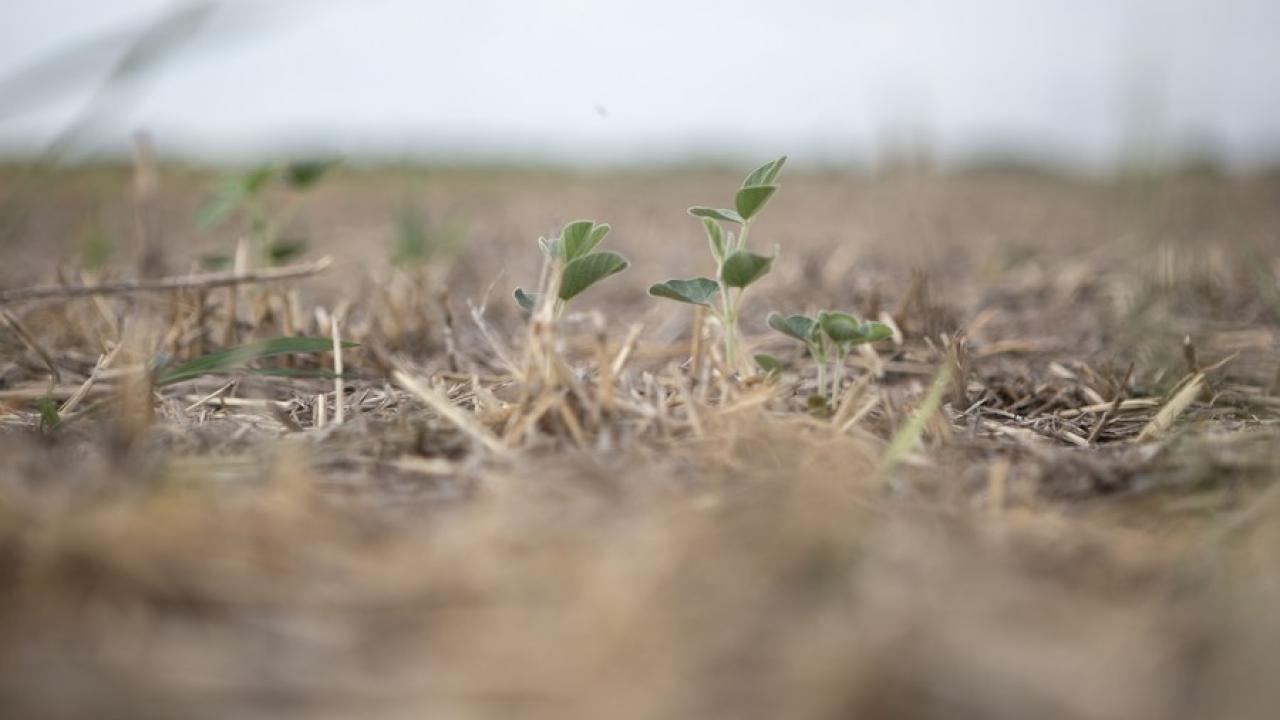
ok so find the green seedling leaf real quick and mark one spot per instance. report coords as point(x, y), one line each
point(713, 213)
point(873, 331)
point(743, 268)
point(578, 238)
point(715, 235)
point(282, 251)
point(305, 173)
point(696, 291)
point(800, 327)
point(598, 233)
point(256, 179)
point(841, 327)
point(583, 272)
point(236, 359)
point(769, 364)
point(526, 301)
point(752, 198)
point(766, 173)
point(226, 200)
point(49, 417)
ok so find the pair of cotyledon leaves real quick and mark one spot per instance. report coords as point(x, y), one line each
point(740, 268)
point(843, 329)
point(584, 266)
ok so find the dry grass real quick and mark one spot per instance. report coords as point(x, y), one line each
point(491, 517)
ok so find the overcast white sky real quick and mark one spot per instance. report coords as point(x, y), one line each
point(613, 81)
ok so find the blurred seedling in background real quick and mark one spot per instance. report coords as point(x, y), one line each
point(829, 338)
point(572, 265)
point(247, 198)
point(736, 266)
point(415, 291)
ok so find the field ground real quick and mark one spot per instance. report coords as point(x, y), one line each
point(1086, 525)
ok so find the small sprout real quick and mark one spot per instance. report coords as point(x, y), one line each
point(736, 266)
point(243, 196)
point(50, 419)
point(581, 265)
point(829, 337)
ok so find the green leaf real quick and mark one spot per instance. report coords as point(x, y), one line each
point(235, 359)
point(696, 291)
point(284, 250)
point(721, 214)
point(841, 327)
point(752, 198)
point(578, 238)
point(715, 235)
point(306, 173)
point(226, 200)
point(583, 272)
point(49, 417)
point(256, 179)
point(766, 173)
point(846, 329)
point(526, 301)
point(800, 327)
point(769, 364)
point(873, 331)
point(743, 268)
point(598, 233)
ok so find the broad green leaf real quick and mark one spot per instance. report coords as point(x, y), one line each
point(256, 179)
point(527, 301)
point(873, 331)
point(696, 291)
point(721, 214)
point(766, 173)
point(841, 327)
point(715, 235)
point(752, 198)
point(225, 201)
point(769, 364)
point(577, 239)
point(235, 359)
point(284, 250)
point(800, 327)
point(743, 268)
point(305, 173)
point(583, 272)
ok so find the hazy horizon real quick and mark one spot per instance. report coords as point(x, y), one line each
point(1084, 85)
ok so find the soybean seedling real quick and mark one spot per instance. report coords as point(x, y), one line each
point(829, 338)
point(245, 196)
point(575, 264)
point(736, 266)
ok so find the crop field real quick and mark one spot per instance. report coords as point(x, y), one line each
point(289, 443)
